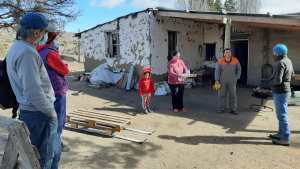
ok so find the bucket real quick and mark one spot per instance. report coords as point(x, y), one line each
point(297, 98)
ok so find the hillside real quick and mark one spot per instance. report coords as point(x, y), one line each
point(67, 44)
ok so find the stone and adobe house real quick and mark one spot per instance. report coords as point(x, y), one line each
point(149, 36)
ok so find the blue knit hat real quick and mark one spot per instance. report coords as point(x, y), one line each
point(280, 50)
point(33, 20)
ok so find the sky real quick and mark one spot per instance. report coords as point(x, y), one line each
point(94, 12)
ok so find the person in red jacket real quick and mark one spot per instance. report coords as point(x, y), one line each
point(146, 89)
point(57, 72)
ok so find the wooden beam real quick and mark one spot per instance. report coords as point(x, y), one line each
point(267, 20)
point(269, 26)
point(195, 16)
point(257, 21)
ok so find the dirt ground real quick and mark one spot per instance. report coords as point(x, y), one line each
point(198, 139)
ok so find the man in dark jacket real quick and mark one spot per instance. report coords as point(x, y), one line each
point(281, 88)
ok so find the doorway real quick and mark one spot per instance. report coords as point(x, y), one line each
point(240, 50)
point(172, 42)
point(210, 51)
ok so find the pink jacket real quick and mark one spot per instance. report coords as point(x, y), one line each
point(176, 68)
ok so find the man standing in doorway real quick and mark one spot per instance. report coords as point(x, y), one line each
point(281, 87)
point(227, 73)
point(32, 87)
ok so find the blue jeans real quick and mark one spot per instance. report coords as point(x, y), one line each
point(281, 106)
point(43, 134)
point(60, 108)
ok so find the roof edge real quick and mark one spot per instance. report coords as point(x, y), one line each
point(161, 9)
point(118, 18)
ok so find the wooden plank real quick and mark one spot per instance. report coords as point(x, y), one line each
point(28, 158)
point(106, 123)
point(19, 150)
point(77, 119)
point(85, 125)
point(10, 157)
point(3, 141)
point(100, 118)
point(122, 117)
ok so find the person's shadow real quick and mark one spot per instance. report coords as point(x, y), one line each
point(195, 140)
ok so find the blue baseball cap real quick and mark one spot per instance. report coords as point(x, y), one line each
point(33, 20)
point(280, 50)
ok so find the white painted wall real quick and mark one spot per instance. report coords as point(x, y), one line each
point(191, 35)
point(93, 41)
point(134, 41)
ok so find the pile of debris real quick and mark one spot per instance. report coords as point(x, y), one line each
point(106, 76)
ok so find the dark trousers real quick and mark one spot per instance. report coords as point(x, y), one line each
point(177, 95)
point(60, 108)
point(43, 135)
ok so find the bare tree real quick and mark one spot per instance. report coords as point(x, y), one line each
point(248, 6)
point(200, 5)
point(195, 5)
point(230, 5)
point(60, 11)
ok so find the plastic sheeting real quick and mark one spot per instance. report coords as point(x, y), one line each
point(104, 75)
point(162, 89)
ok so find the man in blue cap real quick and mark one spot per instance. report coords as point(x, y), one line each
point(281, 88)
point(32, 87)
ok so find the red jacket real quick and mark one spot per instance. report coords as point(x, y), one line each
point(146, 86)
point(55, 62)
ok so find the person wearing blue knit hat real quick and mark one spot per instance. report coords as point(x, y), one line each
point(281, 88)
point(32, 87)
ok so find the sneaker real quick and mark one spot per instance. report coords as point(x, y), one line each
point(64, 148)
point(149, 110)
point(234, 112)
point(145, 111)
point(184, 110)
point(274, 136)
point(14, 116)
point(281, 142)
point(220, 111)
point(175, 110)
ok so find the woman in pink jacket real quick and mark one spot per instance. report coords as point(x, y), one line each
point(176, 71)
